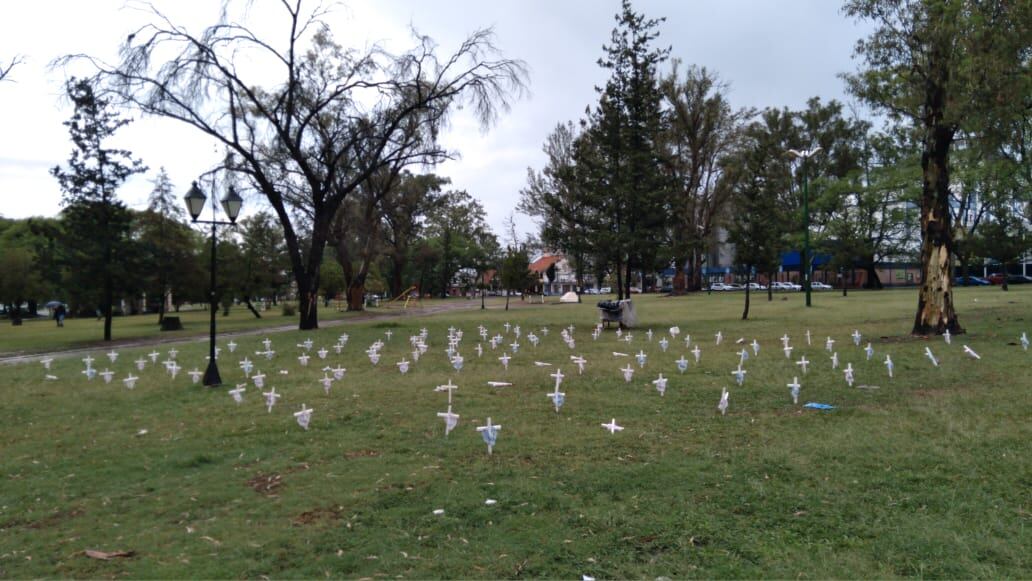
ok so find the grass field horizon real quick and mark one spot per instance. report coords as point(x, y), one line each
point(923, 475)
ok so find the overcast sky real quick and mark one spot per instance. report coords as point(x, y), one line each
point(772, 53)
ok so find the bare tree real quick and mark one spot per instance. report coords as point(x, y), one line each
point(6, 70)
point(703, 132)
point(335, 118)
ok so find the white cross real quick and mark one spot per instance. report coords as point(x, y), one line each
point(322, 353)
point(238, 393)
point(90, 373)
point(303, 360)
point(641, 357)
point(338, 348)
point(788, 351)
point(888, 365)
point(259, 380)
point(173, 369)
point(663, 344)
point(557, 397)
point(628, 373)
point(834, 360)
point(232, 346)
point(374, 358)
point(612, 427)
point(808, 338)
point(172, 353)
point(267, 342)
point(338, 373)
point(558, 376)
point(856, 337)
point(947, 337)
point(415, 355)
point(505, 360)
point(794, 387)
point(112, 355)
point(544, 331)
point(88, 361)
point(649, 334)
point(449, 387)
point(457, 362)
point(739, 375)
point(140, 364)
point(682, 364)
point(195, 374)
point(490, 431)
point(618, 354)
point(542, 364)
point(829, 344)
point(1024, 341)
point(343, 339)
point(971, 352)
point(389, 334)
point(130, 381)
point(755, 347)
point(928, 353)
point(803, 363)
point(784, 339)
point(499, 383)
point(153, 356)
point(687, 341)
point(46, 361)
point(480, 350)
point(326, 382)
point(403, 366)
point(270, 398)
point(304, 416)
point(570, 329)
point(660, 384)
point(675, 331)
point(849, 374)
point(579, 361)
point(450, 420)
point(719, 337)
point(722, 406)
point(697, 353)
point(743, 356)
point(515, 347)
point(507, 327)
point(516, 331)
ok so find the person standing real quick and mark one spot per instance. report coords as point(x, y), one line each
point(59, 314)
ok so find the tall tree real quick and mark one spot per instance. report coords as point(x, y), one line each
point(555, 197)
point(759, 177)
point(404, 214)
point(623, 157)
point(703, 131)
point(96, 222)
point(946, 66)
point(334, 118)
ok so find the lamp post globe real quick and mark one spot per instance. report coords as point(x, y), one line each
point(195, 200)
point(231, 204)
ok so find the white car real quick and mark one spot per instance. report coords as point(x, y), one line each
point(787, 286)
point(754, 286)
point(719, 286)
point(820, 286)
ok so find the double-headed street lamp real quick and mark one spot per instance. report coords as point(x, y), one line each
point(804, 263)
point(231, 203)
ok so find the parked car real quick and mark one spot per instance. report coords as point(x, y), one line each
point(591, 291)
point(606, 290)
point(719, 286)
point(755, 286)
point(996, 278)
point(971, 281)
point(1019, 279)
point(820, 286)
point(786, 286)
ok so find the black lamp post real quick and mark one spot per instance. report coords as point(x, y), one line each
point(231, 203)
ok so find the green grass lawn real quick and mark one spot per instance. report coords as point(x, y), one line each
point(927, 476)
point(42, 335)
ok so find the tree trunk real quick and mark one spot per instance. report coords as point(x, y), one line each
point(250, 307)
point(770, 287)
point(873, 280)
point(619, 280)
point(844, 289)
point(748, 279)
point(696, 282)
point(108, 299)
point(935, 311)
point(356, 296)
point(161, 307)
point(507, 293)
point(1006, 273)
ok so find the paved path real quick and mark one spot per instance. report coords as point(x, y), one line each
point(448, 306)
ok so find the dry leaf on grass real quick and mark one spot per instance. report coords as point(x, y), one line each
point(107, 556)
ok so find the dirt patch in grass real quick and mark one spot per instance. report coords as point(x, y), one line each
point(45, 522)
point(329, 513)
point(361, 454)
point(269, 484)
